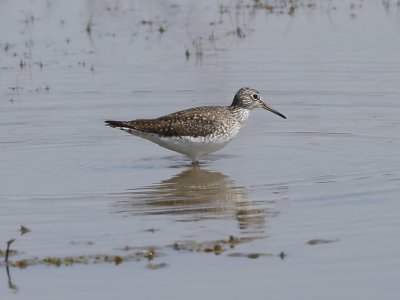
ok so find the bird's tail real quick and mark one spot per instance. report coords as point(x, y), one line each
point(114, 124)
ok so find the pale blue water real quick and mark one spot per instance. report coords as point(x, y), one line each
point(330, 171)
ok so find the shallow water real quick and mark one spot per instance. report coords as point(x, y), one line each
point(330, 172)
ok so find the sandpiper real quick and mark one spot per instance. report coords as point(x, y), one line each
point(200, 130)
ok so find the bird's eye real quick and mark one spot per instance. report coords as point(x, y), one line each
point(255, 97)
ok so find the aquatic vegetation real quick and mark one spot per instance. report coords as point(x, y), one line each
point(137, 254)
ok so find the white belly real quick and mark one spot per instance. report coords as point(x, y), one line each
point(193, 147)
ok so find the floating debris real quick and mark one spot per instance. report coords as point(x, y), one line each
point(321, 241)
point(239, 32)
point(198, 47)
point(81, 259)
point(156, 266)
point(11, 252)
point(149, 254)
point(118, 259)
point(126, 248)
point(89, 26)
point(249, 255)
point(144, 22)
point(56, 261)
point(292, 10)
point(24, 230)
point(216, 247)
point(45, 88)
point(88, 243)
point(22, 64)
point(15, 88)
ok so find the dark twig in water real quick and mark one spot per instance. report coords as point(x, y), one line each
point(8, 250)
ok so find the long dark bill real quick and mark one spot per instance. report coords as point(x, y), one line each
point(265, 106)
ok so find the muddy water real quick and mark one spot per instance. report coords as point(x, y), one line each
point(321, 187)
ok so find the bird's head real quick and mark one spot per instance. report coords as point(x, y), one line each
point(250, 98)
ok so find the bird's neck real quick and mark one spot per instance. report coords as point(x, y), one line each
point(240, 113)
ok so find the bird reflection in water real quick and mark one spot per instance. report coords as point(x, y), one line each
point(198, 194)
point(11, 285)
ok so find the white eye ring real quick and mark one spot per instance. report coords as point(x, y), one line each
point(255, 97)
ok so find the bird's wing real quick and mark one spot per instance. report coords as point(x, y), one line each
point(200, 121)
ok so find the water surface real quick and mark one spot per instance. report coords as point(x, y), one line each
point(329, 173)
